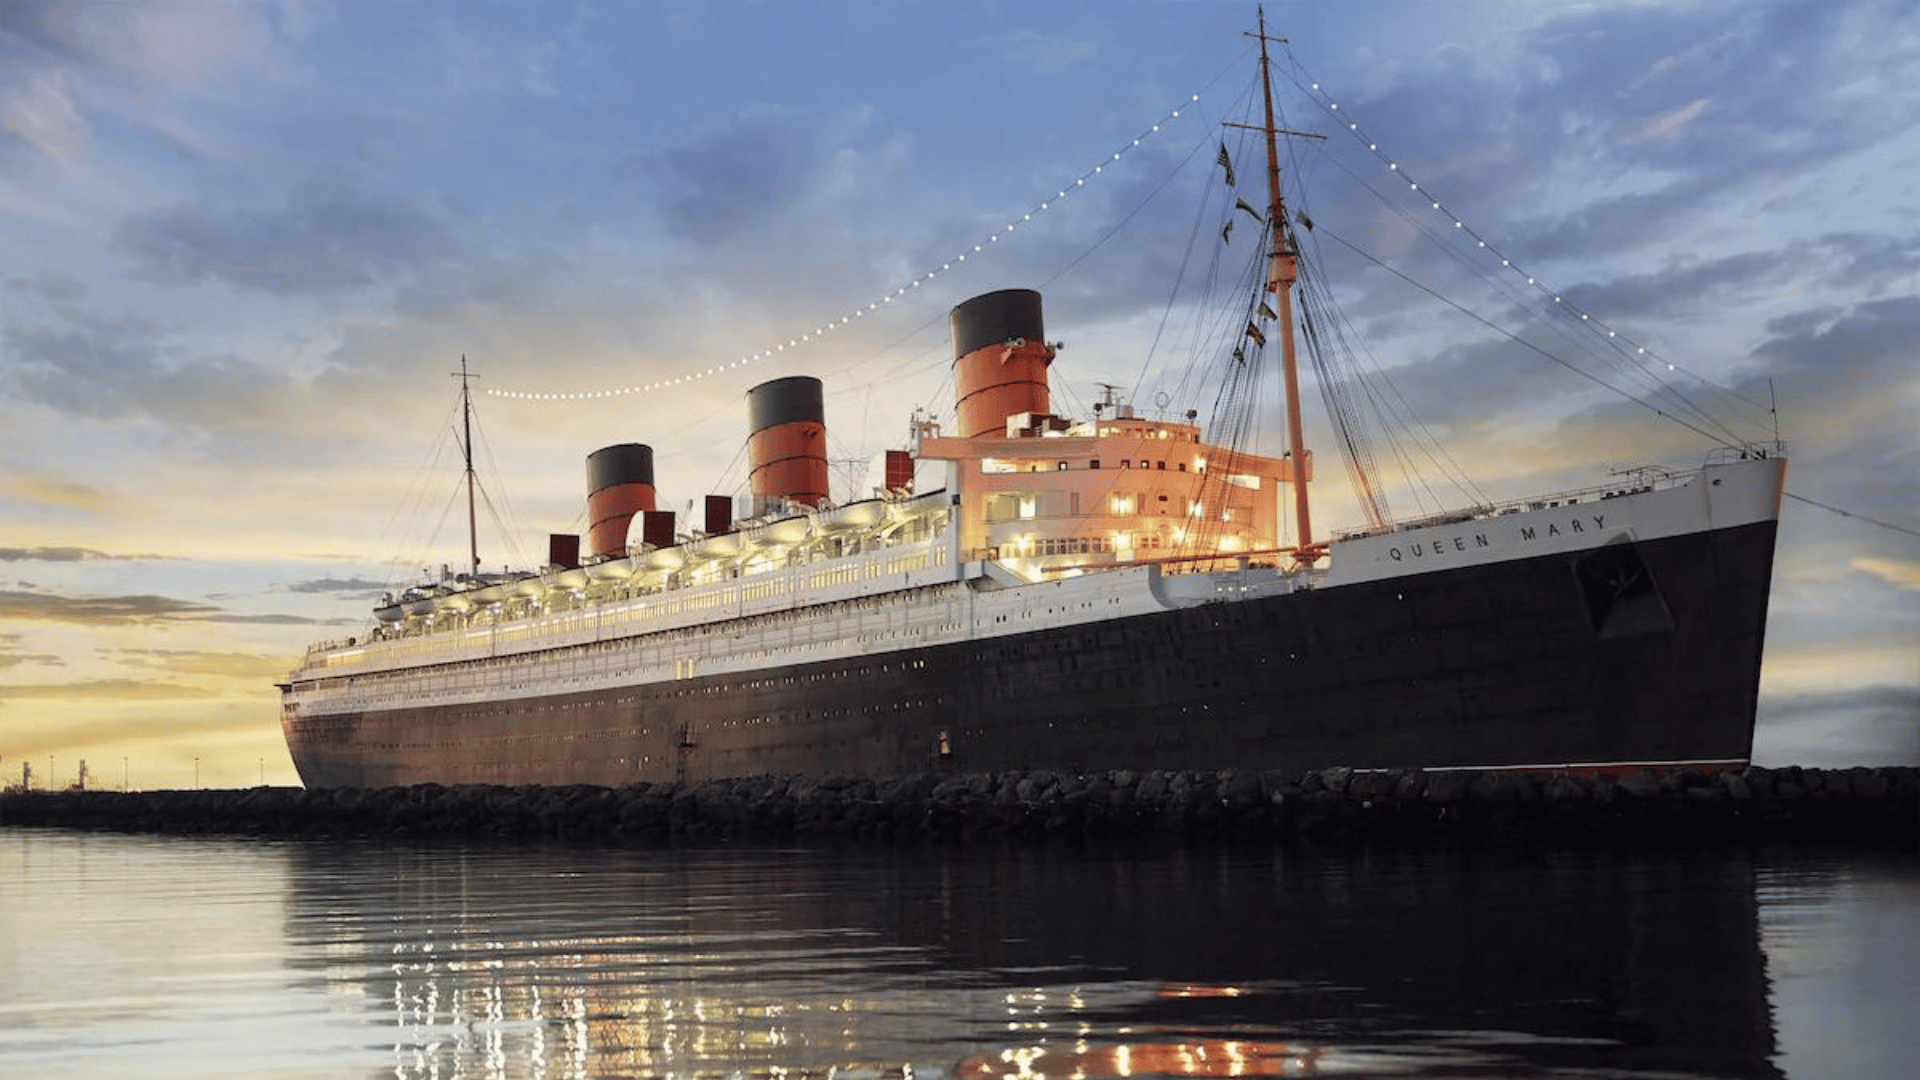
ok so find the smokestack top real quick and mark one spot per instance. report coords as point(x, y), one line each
point(785, 401)
point(992, 318)
point(626, 463)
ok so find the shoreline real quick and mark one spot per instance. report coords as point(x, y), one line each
point(1876, 806)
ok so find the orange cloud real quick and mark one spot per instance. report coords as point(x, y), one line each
point(105, 690)
point(1904, 575)
point(1668, 124)
point(62, 493)
point(248, 666)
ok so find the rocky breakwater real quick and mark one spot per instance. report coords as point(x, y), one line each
point(1863, 805)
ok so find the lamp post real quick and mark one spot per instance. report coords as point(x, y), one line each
point(196, 774)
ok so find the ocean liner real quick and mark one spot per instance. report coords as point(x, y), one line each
point(1115, 590)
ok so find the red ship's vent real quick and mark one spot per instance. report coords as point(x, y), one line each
point(563, 550)
point(899, 471)
point(656, 528)
point(719, 515)
point(787, 443)
point(1000, 359)
point(619, 485)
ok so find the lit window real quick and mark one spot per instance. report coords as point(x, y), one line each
point(1122, 504)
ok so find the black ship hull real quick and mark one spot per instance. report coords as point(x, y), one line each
point(1627, 654)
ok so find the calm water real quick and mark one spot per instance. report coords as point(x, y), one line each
point(152, 957)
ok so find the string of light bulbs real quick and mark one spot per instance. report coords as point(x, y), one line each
point(984, 245)
point(1620, 342)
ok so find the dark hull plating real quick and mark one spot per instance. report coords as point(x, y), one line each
point(1629, 654)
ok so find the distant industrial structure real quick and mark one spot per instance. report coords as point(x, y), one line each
point(82, 782)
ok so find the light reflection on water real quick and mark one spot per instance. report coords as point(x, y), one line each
point(176, 958)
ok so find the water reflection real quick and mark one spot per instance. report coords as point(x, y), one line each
point(777, 963)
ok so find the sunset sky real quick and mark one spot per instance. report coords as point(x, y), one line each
point(243, 245)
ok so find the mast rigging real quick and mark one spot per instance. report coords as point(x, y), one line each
point(466, 449)
point(1282, 271)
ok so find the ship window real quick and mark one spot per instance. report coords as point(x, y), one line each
point(1094, 464)
point(1124, 463)
point(1146, 465)
point(1162, 465)
point(1061, 467)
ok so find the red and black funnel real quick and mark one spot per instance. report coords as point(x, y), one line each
point(619, 485)
point(786, 443)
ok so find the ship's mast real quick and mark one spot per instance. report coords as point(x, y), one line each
point(1282, 271)
point(466, 447)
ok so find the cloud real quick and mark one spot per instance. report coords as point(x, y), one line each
point(111, 367)
point(275, 620)
point(324, 240)
point(1033, 53)
point(97, 610)
point(165, 43)
point(63, 494)
point(47, 288)
point(51, 554)
point(1900, 573)
point(215, 726)
point(104, 690)
point(1875, 724)
point(345, 586)
point(1572, 155)
point(1669, 124)
point(38, 111)
point(68, 70)
point(9, 658)
point(736, 179)
point(247, 666)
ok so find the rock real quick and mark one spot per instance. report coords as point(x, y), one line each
point(1639, 785)
point(1152, 787)
point(1444, 788)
